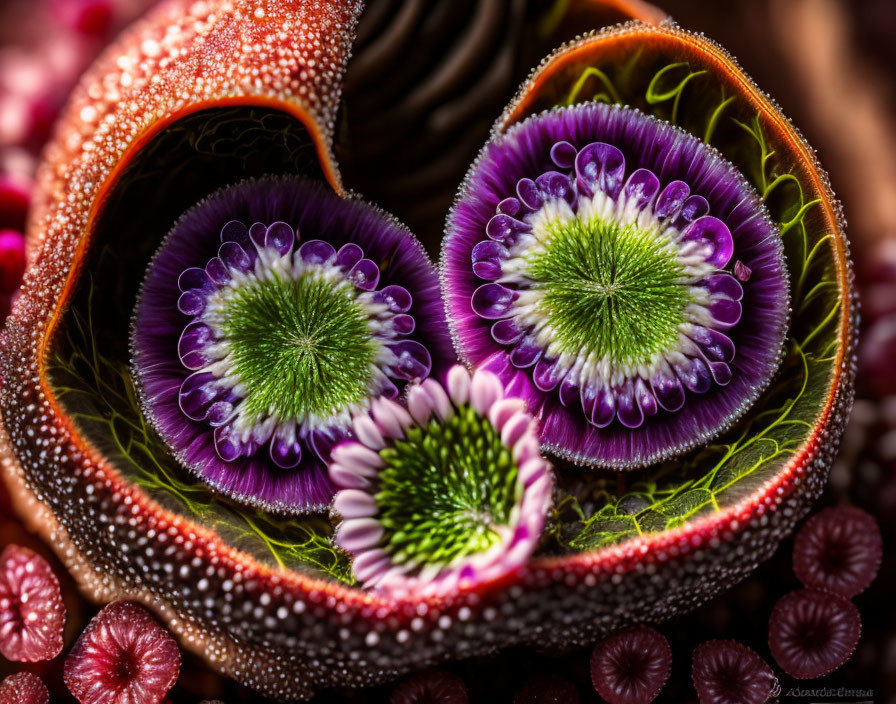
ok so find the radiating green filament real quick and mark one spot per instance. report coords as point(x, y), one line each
point(446, 490)
point(301, 346)
point(612, 291)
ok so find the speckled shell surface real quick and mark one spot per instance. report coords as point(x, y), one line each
point(281, 632)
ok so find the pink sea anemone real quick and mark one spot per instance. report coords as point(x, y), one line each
point(124, 656)
point(32, 614)
point(838, 550)
point(631, 666)
point(728, 672)
point(812, 633)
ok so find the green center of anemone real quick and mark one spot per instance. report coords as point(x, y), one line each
point(607, 290)
point(446, 490)
point(300, 347)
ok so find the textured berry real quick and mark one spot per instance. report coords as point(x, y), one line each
point(812, 633)
point(432, 687)
point(632, 666)
point(32, 615)
point(23, 688)
point(838, 550)
point(123, 657)
point(727, 672)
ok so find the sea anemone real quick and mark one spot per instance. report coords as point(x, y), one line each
point(449, 494)
point(631, 666)
point(430, 687)
point(32, 615)
point(812, 633)
point(589, 263)
point(124, 656)
point(272, 313)
point(143, 140)
point(838, 550)
point(24, 688)
point(728, 672)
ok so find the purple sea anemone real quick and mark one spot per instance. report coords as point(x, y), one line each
point(447, 494)
point(812, 633)
point(621, 277)
point(728, 672)
point(838, 550)
point(631, 666)
point(273, 312)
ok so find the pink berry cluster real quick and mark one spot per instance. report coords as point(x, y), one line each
point(124, 656)
point(836, 556)
point(812, 632)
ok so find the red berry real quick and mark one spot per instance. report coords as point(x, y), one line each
point(5, 306)
point(12, 260)
point(32, 615)
point(838, 550)
point(812, 633)
point(88, 17)
point(878, 299)
point(43, 111)
point(728, 672)
point(879, 261)
point(632, 666)
point(432, 687)
point(124, 656)
point(876, 353)
point(15, 199)
point(24, 688)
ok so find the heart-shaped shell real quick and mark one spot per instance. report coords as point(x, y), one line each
point(282, 632)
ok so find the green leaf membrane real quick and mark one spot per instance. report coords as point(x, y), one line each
point(102, 399)
point(89, 362)
point(599, 509)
